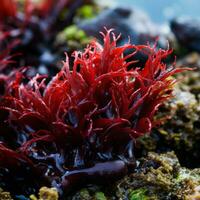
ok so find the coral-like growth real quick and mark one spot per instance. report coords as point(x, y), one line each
point(90, 114)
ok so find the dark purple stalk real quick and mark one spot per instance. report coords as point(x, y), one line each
point(100, 173)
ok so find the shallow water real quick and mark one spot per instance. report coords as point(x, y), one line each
point(163, 10)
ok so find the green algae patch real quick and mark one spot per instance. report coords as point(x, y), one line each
point(87, 12)
point(100, 196)
point(74, 37)
point(138, 194)
point(90, 193)
point(84, 194)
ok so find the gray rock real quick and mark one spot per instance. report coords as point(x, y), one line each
point(187, 32)
point(130, 23)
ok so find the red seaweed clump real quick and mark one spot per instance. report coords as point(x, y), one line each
point(6, 61)
point(80, 126)
point(36, 24)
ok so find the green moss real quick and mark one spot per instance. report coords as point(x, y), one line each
point(100, 196)
point(138, 194)
point(86, 12)
point(84, 194)
point(74, 37)
point(72, 32)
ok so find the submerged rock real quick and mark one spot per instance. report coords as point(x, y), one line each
point(187, 32)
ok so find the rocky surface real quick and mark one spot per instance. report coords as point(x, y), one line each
point(157, 177)
point(130, 23)
point(187, 32)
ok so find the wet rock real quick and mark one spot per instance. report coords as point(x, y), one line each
point(47, 58)
point(130, 23)
point(157, 177)
point(187, 32)
point(167, 180)
point(42, 69)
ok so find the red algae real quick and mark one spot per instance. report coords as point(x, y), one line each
point(10, 8)
point(87, 116)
